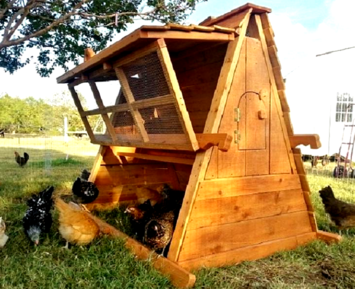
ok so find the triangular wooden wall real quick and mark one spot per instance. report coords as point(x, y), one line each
point(251, 201)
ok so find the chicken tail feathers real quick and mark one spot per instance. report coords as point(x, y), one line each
point(26, 156)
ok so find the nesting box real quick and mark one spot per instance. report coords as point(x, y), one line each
point(203, 108)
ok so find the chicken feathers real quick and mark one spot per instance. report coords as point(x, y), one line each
point(84, 192)
point(38, 217)
point(340, 212)
point(139, 215)
point(21, 160)
point(3, 236)
point(159, 231)
point(75, 225)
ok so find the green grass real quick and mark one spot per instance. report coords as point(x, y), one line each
point(105, 263)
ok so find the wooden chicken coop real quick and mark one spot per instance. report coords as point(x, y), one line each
point(203, 108)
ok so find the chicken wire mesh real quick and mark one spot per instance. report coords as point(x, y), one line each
point(48, 155)
point(147, 80)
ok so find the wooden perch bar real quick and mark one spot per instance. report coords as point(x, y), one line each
point(207, 140)
point(305, 139)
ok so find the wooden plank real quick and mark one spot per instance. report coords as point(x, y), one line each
point(176, 26)
point(221, 140)
point(257, 127)
point(80, 110)
point(280, 83)
point(288, 123)
point(255, 8)
point(101, 57)
point(305, 139)
point(159, 100)
point(283, 100)
point(202, 28)
point(173, 84)
point(212, 123)
point(178, 276)
point(328, 237)
point(213, 240)
point(112, 108)
point(212, 169)
point(192, 35)
point(97, 163)
point(280, 160)
point(138, 120)
point(155, 27)
point(159, 158)
point(284, 128)
point(132, 174)
point(223, 29)
point(248, 253)
point(225, 210)
point(101, 105)
point(222, 188)
point(111, 155)
point(265, 20)
point(273, 56)
point(269, 36)
point(128, 194)
point(232, 163)
point(133, 141)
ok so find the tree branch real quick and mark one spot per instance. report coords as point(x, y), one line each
point(55, 23)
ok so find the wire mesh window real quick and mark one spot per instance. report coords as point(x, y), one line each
point(146, 77)
point(344, 108)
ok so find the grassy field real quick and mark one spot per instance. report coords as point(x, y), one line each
point(107, 264)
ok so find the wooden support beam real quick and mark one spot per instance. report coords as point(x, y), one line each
point(207, 140)
point(167, 159)
point(112, 108)
point(305, 139)
point(81, 110)
point(104, 116)
point(328, 237)
point(138, 120)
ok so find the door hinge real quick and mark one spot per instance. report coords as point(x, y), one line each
point(237, 136)
point(236, 114)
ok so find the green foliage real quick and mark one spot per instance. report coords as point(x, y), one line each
point(61, 30)
point(36, 116)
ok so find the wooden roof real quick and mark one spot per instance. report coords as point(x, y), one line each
point(256, 9)
point(186, 36)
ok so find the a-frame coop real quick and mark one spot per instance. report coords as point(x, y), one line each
point(203, 108)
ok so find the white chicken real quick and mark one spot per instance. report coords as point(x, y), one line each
point(3, 236)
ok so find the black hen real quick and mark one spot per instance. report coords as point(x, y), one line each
point(139, 215)
point(340, 212)
point(21, 160)
point(38, 217)
point(84, 192)
point(159, 231)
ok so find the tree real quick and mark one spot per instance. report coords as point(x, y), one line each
point(62, 29)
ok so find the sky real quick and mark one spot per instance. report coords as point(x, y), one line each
point(303, 28)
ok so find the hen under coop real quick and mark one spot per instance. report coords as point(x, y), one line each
point(203, 109)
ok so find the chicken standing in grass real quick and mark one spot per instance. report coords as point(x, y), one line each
point(3, 236)
point(38, 217)
point(84, 192)
point(21, 160)
point(340, 212)
point(75, 225)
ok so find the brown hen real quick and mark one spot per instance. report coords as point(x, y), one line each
point(76, 226)
point(340, 212)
